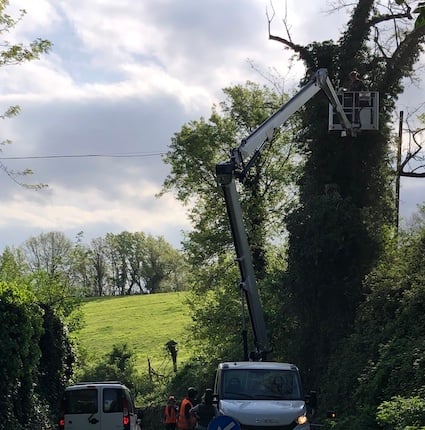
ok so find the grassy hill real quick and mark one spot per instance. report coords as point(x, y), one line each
point(146, 323)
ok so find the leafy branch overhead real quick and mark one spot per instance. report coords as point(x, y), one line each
point(14, 54)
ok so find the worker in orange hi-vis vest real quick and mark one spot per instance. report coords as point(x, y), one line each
point(185, 420)
point(170, 413)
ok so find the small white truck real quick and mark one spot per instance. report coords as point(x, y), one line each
point(262, 395)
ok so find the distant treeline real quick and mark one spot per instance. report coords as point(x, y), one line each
point(117, 264)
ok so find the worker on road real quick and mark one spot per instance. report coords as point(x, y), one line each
point(170, 413)
point(185, 420)
point(205, 411)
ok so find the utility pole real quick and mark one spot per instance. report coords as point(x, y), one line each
point(398, 167)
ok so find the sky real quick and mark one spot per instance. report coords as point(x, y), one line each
point(122, 78)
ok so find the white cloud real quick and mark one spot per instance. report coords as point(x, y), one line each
point(40, 14)
point(133, 208)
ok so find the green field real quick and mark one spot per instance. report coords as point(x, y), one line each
point(145, 322)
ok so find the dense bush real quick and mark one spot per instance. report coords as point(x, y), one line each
point(21, 328)
point(116, 365)
point(402, 413)
point(36, 359)
point(55, 366)
point(383, 359)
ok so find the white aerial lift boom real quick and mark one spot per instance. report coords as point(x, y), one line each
point(241, 160)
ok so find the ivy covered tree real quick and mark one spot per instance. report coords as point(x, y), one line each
point(346, 206)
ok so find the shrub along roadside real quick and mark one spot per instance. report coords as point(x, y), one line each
point(402, 413)
point(35, 360)
point(21, 322)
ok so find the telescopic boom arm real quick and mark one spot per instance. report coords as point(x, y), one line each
point(241, 160)
point(250, 147)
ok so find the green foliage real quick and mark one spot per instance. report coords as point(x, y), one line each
point(198, 373)
point(39, 354)
point(143, 263)
point(11, 54)
point(48, 252)
point(10, 112)
point(218, 308)
point(338, 255)
point(420, 20)
point(116, 365)
point(200, 145)
point(10, 269)
point(402, 413)
point(383, 357)
point(194, 153)
point(55, 367)
point(21, 323)
point(55, 292)
point(123, 263)
point(44, 264)
point(16, 54)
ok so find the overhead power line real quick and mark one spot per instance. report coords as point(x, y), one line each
point(122, 155)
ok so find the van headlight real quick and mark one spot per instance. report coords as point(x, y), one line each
point(302, 419)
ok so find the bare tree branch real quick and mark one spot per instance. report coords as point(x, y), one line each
point(301, 50)
point(413, 165)
point(412, 175)
point(378, 44)
point(389, 17)
point(400, 64)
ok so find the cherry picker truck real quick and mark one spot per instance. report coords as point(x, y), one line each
point(261, 394)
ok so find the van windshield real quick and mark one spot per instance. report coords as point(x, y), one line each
point(82, 401)
point(260, 384)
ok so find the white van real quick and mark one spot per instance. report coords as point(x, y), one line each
point(261, 395)
point(98, 406)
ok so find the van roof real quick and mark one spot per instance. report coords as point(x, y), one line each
point(79, 385)
point(266, 365)
point(97, 382)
